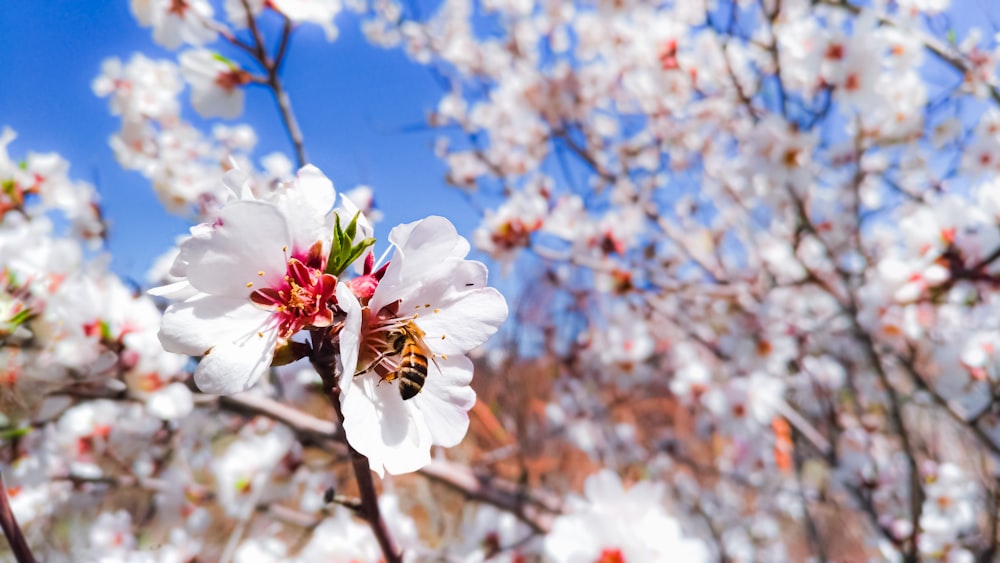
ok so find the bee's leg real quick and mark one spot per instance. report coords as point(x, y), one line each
point(374, 363)
point(390, 377)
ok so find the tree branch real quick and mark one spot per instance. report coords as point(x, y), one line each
point(15, 538)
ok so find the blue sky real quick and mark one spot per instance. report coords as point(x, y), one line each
point(362, 112)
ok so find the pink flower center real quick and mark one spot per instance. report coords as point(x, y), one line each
point(178, 7)
point(611, 555)
point(378, 338)
point(301, 299)
point(232, 79)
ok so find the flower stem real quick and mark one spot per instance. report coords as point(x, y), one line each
point(324, 360)
point(15, 538)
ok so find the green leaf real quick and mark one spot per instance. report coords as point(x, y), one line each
point(358, 250)
point(343, 251)
point(352, 229)
point(224, 60)
point(333, 257)
point(105, 331)
point(20, 317)
point(9, 433)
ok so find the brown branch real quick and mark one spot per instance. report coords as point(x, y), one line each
point(273, 66)
point(304, 425)
point(500, 493)
point(15, 538)
point(325, 359)
point(535, 512)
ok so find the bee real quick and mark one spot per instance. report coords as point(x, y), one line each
point(407, 343)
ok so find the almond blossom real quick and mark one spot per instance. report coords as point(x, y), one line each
point(432, 291)
point(320, 12)
point(611, 523)
point(250, 281)
point(216, 83)
point(176, 22)
point(756, 253)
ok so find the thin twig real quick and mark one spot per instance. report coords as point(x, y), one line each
point(273, 66)
point(15, 538)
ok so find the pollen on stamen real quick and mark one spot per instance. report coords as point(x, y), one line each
point(437, 310)
point(249, 284)
point(260, 273)
point(427, 305)
point(260, 334)
point(444, 356)
point(442, 337)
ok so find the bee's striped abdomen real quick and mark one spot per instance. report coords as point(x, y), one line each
point(412, 371)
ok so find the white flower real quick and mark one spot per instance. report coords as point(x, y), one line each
point(243, 472)
point(111, 536)
point(141, 89)
point(320, 12)
point(171, 402)
point(261, 550)
point(430, 291)
point(216, 83)
point(175, 22)
point(342, 538)
point(250, 281)
point(612, 524)
point(490, 535)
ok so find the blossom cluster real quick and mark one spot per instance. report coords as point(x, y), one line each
point(768, 221)
point(755, 251)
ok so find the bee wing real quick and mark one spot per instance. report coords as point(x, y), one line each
point(417, 336)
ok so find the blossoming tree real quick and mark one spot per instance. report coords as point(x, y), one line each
point(754, 245)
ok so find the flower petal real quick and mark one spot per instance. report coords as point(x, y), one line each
point(423, 250)
point(233, 367)
point(459, 321)
point(177, 291)
point(350, 335)
point(194, 326)
point(248, 237)
point(378, 423)
point(307, 204)
point(446, 399)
